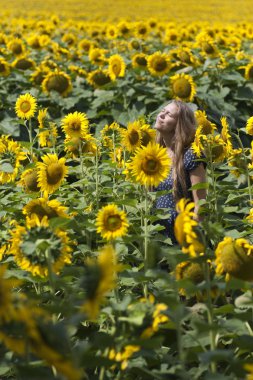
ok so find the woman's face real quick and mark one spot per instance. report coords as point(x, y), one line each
point(167, 119)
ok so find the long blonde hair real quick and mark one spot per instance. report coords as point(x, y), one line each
point(183, 137)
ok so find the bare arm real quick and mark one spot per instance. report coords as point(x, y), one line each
point(198, 175)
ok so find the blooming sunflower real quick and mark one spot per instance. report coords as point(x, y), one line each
point(25, 106)
point(141, 30)
point(85, 45)
point(189, 271)
point(86, 144)
point(124, 355)
point(150, 165)
point(75, 124)
point(97, 56)
point(111, 222)
point(237, 161)
point(207, 128)
point(249, 71)
point(249, 126)
point(56, 252)
point(16, 46)
point(183, 87)
point(44, 207)
point(158, 63)
point(29, 180)
point(51, 173)
point(42, 118)
point(131, 137)
point(225, 135)
point(48, 137)
point(11, 155)
point(98, 78)
point(57, 81)
point(4, 68)
point(116, 67)
point(215, 148)
point(147, 135)
point(39, 75)
point(111, 135)
point(104, 269)
point(234, 257)
point(140, 61)
point(23, 63)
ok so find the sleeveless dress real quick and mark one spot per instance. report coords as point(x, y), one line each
point(191, 161)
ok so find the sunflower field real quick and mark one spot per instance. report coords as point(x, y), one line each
point(90, 286)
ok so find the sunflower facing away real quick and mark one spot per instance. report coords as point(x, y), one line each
point(11, 155)
point(75, 124)
point(249, 126)
point(98, 78)
point(57, 81)
point(150, 165)
point(44, 207)
point(111, 222)
point(25, 106)
point(29, 180)
point(117, 67)
point(56, 252)
point(51, 173)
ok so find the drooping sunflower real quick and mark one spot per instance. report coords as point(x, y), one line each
point(23, 63)
point(150, 165)
point(111, 135)
point(47, 137)
point(98, 78)
point(51, 173)
point(249, 126)
point(11, 155)
point(140, 61)
point(116, 67)
point(57, 81)
point(29, 180)
point(102, 274)
point(56, 253)
point(111, 222)
point(26, 106)
point(75, 124)
point(187, 270)
point(234, 257)
point(215, 148)
point(183, 87)
point(158, 63)
point(131, 137)
point(44, 207)
point(4, 68)
point(97, 56)
point(81, 145)
point(16, 46)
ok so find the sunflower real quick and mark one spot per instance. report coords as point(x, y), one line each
point(249, 71)
point(51, 173)
point(98, 78)
point(11, 155)
point(4, 68)
point(116, 67)
point(150, 165)
point(39, 75)
point(97, 56)
point(117, 157)
point(102, 274)
point(207, 128)
point(131, 137)
point(55, 253)
point(185, 55)
point(249, 126)
point(29, 180)
point(6, 298)
point(25, 106)
point(16, 46)
point(48, 137)
point(124, 355)
point(75, 124)
point(141, 30)
point(225, 135)
point(69, 38)
point(111, 32)
point(140, 61)
point(147, 135)
point(57, 81)
point(124, 28)
point(34, 42)
point(215, 148)
point(237, 161)
point(44, 207)
point(158, 63)
point(189, 271)
point(86, 144)
point(111, 135)
point(111, 222)
point(23, 63)
point(185, 229)
point(85, 45)
point(234, 257)
point(183, 87)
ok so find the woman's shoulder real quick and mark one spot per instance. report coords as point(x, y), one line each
point(191, 160)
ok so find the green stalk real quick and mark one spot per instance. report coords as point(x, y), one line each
point(50, 270)
point(146, 238)
point(211, 166)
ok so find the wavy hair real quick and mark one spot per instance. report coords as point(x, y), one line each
point(184, 135)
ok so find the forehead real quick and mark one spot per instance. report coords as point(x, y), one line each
point(172, 107)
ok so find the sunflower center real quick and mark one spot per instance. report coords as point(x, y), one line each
point(142, 31)
point(43, 210)
point(101, 78)
point(116, 68)
point(16, 48)
point(54, 173)
point(160, 64)
point(113, 222)
point(182, 88)
point(206, 126)
point(236, 262)
point(141, 61)
point(75, 125)
point(217, 151)
point(31, 181)
point(150, 166)
point(25, 106)
point(134, 137)
point(208, 48)
point(57, 83)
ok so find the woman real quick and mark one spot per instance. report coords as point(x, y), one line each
point(176, 126)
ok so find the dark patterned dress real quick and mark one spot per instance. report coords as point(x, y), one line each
point(191, 161)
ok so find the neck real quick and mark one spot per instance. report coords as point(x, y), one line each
point(168, 138)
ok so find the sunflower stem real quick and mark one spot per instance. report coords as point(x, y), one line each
point(210, 318)
point(29, 129)
point(96, 178)
point(81, 164)
point(50, 270)
point(146, 238)
point(211, 167)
